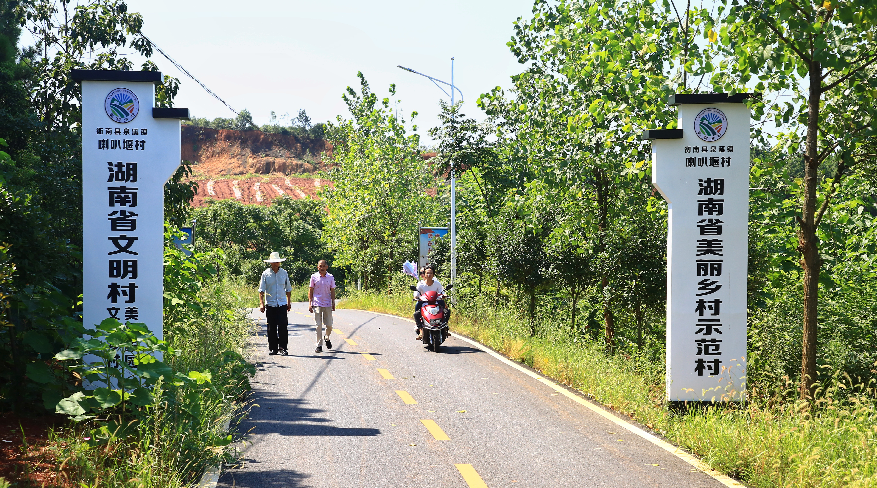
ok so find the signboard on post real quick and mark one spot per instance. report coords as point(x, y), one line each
point(129, 151)
point(702, 171)
point(428, 235)
point(186, 239)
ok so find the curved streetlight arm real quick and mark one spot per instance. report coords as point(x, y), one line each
point(453, 185)
point(436, 81)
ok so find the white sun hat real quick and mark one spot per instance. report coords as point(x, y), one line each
point(275, 258)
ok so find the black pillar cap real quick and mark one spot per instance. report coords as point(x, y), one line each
point(651, 134)
point(170, 113)
point(107, 75)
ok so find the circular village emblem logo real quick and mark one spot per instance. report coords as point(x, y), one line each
point(710, 124)
point(122, 105)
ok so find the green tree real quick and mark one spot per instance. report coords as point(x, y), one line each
point(823, 53)
point(244, 121)
point(635, 255)
point(248, 233)
point(466, 149)
point(86, 36)
point(519, 255)
point(178, 195)
point(380, 188)
point(40, 184)
point(598, 73)
point(90, 35)
point(303, 120)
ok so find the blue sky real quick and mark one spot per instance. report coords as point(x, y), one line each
point(265, 55)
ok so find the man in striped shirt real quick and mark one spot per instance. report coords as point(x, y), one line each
point(321, 302)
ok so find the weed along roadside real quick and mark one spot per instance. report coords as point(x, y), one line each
point(171, 422)
point(763, 443)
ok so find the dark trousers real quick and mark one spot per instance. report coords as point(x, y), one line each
point(278, 336)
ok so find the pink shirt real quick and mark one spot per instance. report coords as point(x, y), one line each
point(322, 286)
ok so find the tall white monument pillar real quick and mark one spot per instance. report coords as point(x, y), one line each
point(129, 151)
point(702, 171)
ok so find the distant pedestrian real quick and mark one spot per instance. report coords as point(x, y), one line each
point(321, 302)
point(273, 285)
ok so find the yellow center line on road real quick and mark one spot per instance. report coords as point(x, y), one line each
point(407, 398)
point(435, 430)
point(350, 341)
point(368, 356)
point(470, 476)
point(386, 374)
point(338, 332)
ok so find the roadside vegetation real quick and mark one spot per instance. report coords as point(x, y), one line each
point(168, 421)
point(174, 423)
point(561, 236)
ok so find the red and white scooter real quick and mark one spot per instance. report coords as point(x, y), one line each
point(435, 318)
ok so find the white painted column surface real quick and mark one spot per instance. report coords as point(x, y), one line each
point(129, 151)
point(702, 171)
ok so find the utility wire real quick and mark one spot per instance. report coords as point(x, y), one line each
point(186, 72)
point(435, 81)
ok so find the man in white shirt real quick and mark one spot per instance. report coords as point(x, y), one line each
point(273, 285)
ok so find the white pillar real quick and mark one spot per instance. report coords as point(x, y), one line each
point(702, 171)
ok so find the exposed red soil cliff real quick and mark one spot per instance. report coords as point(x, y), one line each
point(217, 155)
point(259, 190)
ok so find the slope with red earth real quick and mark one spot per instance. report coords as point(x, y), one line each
point(253, 167)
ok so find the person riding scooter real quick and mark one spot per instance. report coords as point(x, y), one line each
point(428, 283)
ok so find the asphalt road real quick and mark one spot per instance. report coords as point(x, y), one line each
point(379, 410)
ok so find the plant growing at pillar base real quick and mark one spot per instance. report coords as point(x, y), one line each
point(120, 360)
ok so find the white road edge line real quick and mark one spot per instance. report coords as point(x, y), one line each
point(676, 451)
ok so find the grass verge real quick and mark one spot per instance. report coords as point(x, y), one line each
point(768, 442)
point(172, 440)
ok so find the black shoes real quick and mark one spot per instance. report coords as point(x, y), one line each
point(319, 349)
point(284, 352)
point(328, 343)
point(272, 353)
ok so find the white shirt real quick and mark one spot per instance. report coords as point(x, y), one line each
point(422, 287)
point(275, 286)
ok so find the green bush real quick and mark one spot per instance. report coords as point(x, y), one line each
point(173, 424)
point(249, 233)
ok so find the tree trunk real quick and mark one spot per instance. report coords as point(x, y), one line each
point(575, 304)
point(18, 404)
point(602, 187)
point(608, 318)
point(808, 242)
point(532, 312)
point(639, 327)
point(496, 297)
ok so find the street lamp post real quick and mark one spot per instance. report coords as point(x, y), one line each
point(453, 179)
